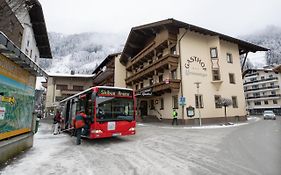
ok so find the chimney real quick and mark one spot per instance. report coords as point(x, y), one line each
point(72, 72)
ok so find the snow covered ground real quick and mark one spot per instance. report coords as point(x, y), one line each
point(153, 150)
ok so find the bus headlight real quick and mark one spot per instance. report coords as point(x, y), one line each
point(132, 129)
point(96, 131)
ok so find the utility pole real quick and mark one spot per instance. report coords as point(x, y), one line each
point(199, 102)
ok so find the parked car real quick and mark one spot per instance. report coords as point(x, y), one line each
point(269, 115)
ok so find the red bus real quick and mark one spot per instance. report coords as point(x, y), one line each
point(111, 111)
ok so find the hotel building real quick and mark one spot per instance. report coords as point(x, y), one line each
point(262, 90)
point(175, 65)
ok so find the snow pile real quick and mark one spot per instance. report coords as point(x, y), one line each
point(42, 155)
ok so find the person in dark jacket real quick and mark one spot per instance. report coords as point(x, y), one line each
point(79, 123)
point(57, 123)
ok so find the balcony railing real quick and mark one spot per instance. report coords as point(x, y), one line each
point(149, 50)
point(256, 81)
point(103, 75)
point(265, 96)
point(161, 63)
point(262, 88)
point(160, 88)
point(253, 74)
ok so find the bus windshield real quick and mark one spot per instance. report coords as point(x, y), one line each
point(114, 108)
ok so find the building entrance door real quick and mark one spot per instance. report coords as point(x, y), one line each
point(143, 108)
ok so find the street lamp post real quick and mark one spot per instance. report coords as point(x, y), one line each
point(199, 102)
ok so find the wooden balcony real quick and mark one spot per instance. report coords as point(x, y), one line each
point(158, 65)
point(148, 52)
point(103, 75)
point(160, 88)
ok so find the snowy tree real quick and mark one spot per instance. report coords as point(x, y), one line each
point(80, 52)
point(225, 102)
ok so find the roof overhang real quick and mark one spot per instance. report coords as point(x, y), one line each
point(105, 61)
point(103, 75)
point(138, 36)
point(11, 51)
point(39, 28)
point(277, 68)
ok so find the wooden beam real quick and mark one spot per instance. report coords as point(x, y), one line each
point(134, 46)
point(244, 61)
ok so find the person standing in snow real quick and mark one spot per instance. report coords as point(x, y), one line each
point(57, 122)
point(175, 119)
point(79, 123)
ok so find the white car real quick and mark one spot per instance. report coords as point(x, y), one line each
point(269, 115)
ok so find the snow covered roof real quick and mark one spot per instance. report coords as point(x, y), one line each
point(70, 75)
point(39, 28)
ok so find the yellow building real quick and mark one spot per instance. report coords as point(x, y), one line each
point(61, 86)
point(174, 65)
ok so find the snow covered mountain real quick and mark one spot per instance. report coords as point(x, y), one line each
point(83, 52)
point(270, 38)
point(80, 52)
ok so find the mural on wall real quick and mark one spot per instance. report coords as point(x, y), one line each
point(16, 101)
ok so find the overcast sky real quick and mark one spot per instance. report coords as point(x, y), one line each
point(235, 17)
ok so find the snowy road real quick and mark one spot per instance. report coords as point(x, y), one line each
point(156, 149)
